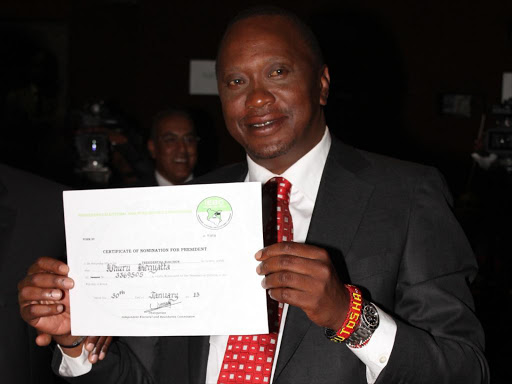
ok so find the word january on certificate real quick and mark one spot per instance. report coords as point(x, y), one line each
point(166, 261)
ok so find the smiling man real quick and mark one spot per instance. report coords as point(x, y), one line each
point(272, 85)
point(173, 146)
point(373, 285)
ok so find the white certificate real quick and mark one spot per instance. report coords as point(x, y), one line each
point(165, 261)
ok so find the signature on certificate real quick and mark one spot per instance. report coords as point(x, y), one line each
point(165, 304)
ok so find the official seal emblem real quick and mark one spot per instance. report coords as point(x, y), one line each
point(214, 212)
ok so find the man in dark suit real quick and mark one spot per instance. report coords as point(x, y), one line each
point(31, 224)
point(380, 224)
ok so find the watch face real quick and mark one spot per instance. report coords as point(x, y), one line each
point(373, 322)
point(371, 316)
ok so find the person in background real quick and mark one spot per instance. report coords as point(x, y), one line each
point(173, 146)
point(31, 224)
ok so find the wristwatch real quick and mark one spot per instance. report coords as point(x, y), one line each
point(75, 343)
point(369, 321)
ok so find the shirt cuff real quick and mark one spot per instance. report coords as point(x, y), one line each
point(74, 366)
point(375, 354)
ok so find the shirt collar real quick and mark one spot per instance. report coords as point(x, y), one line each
point(163, 182)
point(304, 175)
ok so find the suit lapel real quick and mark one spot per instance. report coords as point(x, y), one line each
point(198, 350)
point(339, 207)
point(341, 201)
point(297, 324)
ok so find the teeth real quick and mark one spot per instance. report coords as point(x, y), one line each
point(263, 124)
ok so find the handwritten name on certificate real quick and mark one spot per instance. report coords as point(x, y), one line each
point(165, 261)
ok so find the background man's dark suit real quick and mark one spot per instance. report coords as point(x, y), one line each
point(31, 225)
point(389, 230)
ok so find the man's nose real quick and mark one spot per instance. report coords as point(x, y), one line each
point(180, 146)
point(259, 97)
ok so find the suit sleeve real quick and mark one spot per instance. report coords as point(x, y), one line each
point(438, 339)
point(120, 366)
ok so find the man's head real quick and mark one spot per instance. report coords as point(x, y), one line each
point(173, 145)
point(272, 84)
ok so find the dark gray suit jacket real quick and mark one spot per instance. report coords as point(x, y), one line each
point(389, 229)
point(31, 225)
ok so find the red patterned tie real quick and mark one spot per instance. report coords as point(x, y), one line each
point(249, 358)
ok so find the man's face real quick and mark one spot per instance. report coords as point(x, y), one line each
point(271, 91)
point(174, 148)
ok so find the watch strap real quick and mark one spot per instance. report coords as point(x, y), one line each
point(75, 343)
point(369, 322)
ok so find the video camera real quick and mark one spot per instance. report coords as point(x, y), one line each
point(92, 142)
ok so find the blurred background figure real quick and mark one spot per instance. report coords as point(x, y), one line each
point(31, 225)
point(173, 146)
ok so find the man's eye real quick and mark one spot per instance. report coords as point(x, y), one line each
point(190, 139)
point(169, 139)
point(277, 72)
point(236, 82)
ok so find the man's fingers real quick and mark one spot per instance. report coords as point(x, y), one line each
point(90, 342)
point(93, 356)
point(104, 348)
point(91, 345)
point(291, 280)
point(98, 347)
point(32, 312)
point(48, 264)
point(293, 297)
point(293, 249)
point(108, 341)
point(43, 339)
point(295, 264)
point(29, 293)
point(46, 280)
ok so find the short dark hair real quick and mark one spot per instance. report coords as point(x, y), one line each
point(268, 10)
point(165, 114)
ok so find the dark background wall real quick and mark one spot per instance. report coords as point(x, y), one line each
point(389, 64)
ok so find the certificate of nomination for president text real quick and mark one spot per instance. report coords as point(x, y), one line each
point(166, 261)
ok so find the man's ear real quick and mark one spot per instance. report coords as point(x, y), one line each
point(325, 81)
point(151, 148)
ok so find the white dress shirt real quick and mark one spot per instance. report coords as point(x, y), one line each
point(305, 176)
point(163, 182)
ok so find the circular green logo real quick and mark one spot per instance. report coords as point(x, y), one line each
point(214, 212)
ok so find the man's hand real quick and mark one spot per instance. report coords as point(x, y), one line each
point(303, 276)
point(43, 297)
point(97, 347)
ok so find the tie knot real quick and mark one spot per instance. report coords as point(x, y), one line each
point(283, 187)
